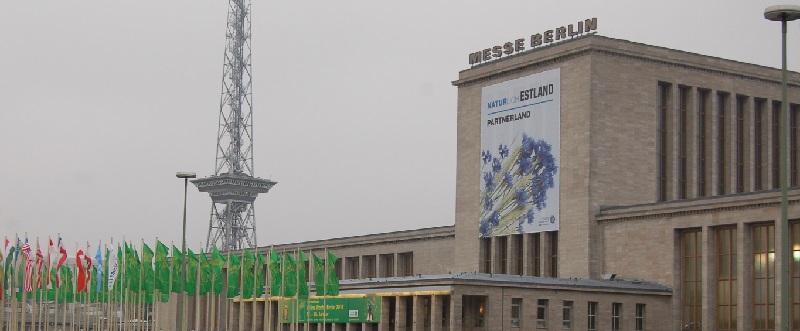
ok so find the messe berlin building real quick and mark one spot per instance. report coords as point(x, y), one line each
point(601, 184)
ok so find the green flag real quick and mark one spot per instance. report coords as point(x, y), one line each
point(191, 271)
point(234, 271)
point(259, 268)
point(275, 272)
point(319, 274)
point(9, 270)
point(248, 278)
point(205, 275)
point(148, 283)
point(302, 285)
point(332, 283)
point(177, 259)
point(217, 263)
point(289, 276)
point(162, 267)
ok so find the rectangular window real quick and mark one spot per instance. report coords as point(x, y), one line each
point(640, 313)
point(553, 253)
point(722, 174)
point(566, 315)
point(702, 142)
point(591, 314)
point(352, 267)
point(740, 111)
point(692, 280)
point(758, 133)
point(537, 254)
point(516, 312)
point(616, 316)
point(683, 135)
point(387, 265)
point(776, 144)
point(662, 114)
point(502, 249)
point(726, 278)
point(764, 277)
point(794, 232)
point(486, 248)
point(406, 264)
point(370, 266)
point(518, 256)
point(541, 313)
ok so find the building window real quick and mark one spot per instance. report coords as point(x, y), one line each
point(776, 144)
point(702, 137)
point(370, 266)
point(516, 312)
point(793, 139)
point(486, 248)
point(406, 264)
point(591, 314)
point(758, 138)
point(726, 278)
point(692, 281)
point(473, 309)
point(683, 160)
point(553, 253)
point(662, 137)
point(518, 250)
point(616, 316)
point(740, 110)
point(794, 232)
point(566, 322)
point(722, 110)
point(387, 265)
point(764, 277)
point(541, 313)
point(640, 312)
point(352, 267)
point(502, 249)
point(537, 254)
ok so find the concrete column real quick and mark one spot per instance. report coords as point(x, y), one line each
point(419, 318)
point(384, 323)
point(400, 314)
point(436, 313)
point(455, 311)
point(709, 278)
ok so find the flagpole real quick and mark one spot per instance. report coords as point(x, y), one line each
point(227, 301)
point(212, 313)
point(241, 291)
point(268, 300)
point(13, 289)
point(325, 293)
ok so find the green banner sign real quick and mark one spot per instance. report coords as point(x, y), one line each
point(331, 310)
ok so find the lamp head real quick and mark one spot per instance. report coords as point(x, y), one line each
point(185, 174)
point(782, 13)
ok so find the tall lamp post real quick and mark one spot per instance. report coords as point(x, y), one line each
point(783, 14)
point(185, 176)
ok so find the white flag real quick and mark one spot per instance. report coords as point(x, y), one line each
point(113, 268)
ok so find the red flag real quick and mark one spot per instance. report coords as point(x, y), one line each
point(81, 283)
point(61, 260)
point(26, 281)
point(88, 270)
point(39, 264)
point(50, 250)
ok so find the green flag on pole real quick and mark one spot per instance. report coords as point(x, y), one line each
point(148, 283)
point(275, 272)
point(259, 268)
point(191, 271)
point(205, 274)
point(217, 263)
point(319, 274)
point(248, 278)
point(177, 259)
point(234, 269)
point(302, 285)
point(290, 276)
point(332, 286)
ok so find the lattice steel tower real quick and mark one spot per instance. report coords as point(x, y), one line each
point(233, 187)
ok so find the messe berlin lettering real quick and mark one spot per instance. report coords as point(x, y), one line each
point(547, 37)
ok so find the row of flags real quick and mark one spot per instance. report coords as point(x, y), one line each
point(123, 273)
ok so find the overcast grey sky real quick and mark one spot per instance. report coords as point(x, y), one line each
point(101, 102)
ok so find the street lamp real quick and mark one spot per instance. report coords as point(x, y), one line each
point(185, 176)
point(783, 14)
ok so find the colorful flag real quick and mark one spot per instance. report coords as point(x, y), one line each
point(289, 275)
point(98, 257)
point(302, 285)
point(88, 271)
point(61, 261)
point(39, 264)
point(27, 286)
point(177, 259)
point(50, 252)
point(234, 271)
point(319, 275)
point(275, 272)
point(113, 268)
point(81, 274)
point(332, 283)
point(9, 268)
point(191, 271)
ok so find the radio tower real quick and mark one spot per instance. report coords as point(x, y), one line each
point(233, 187)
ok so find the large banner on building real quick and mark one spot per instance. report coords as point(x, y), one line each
point(331, 310)
point(520, 154)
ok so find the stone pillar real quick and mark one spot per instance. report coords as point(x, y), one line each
point(418, 311)
point(456, 303)
point(384, 323)
point(400, 314)
point(436, 312)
